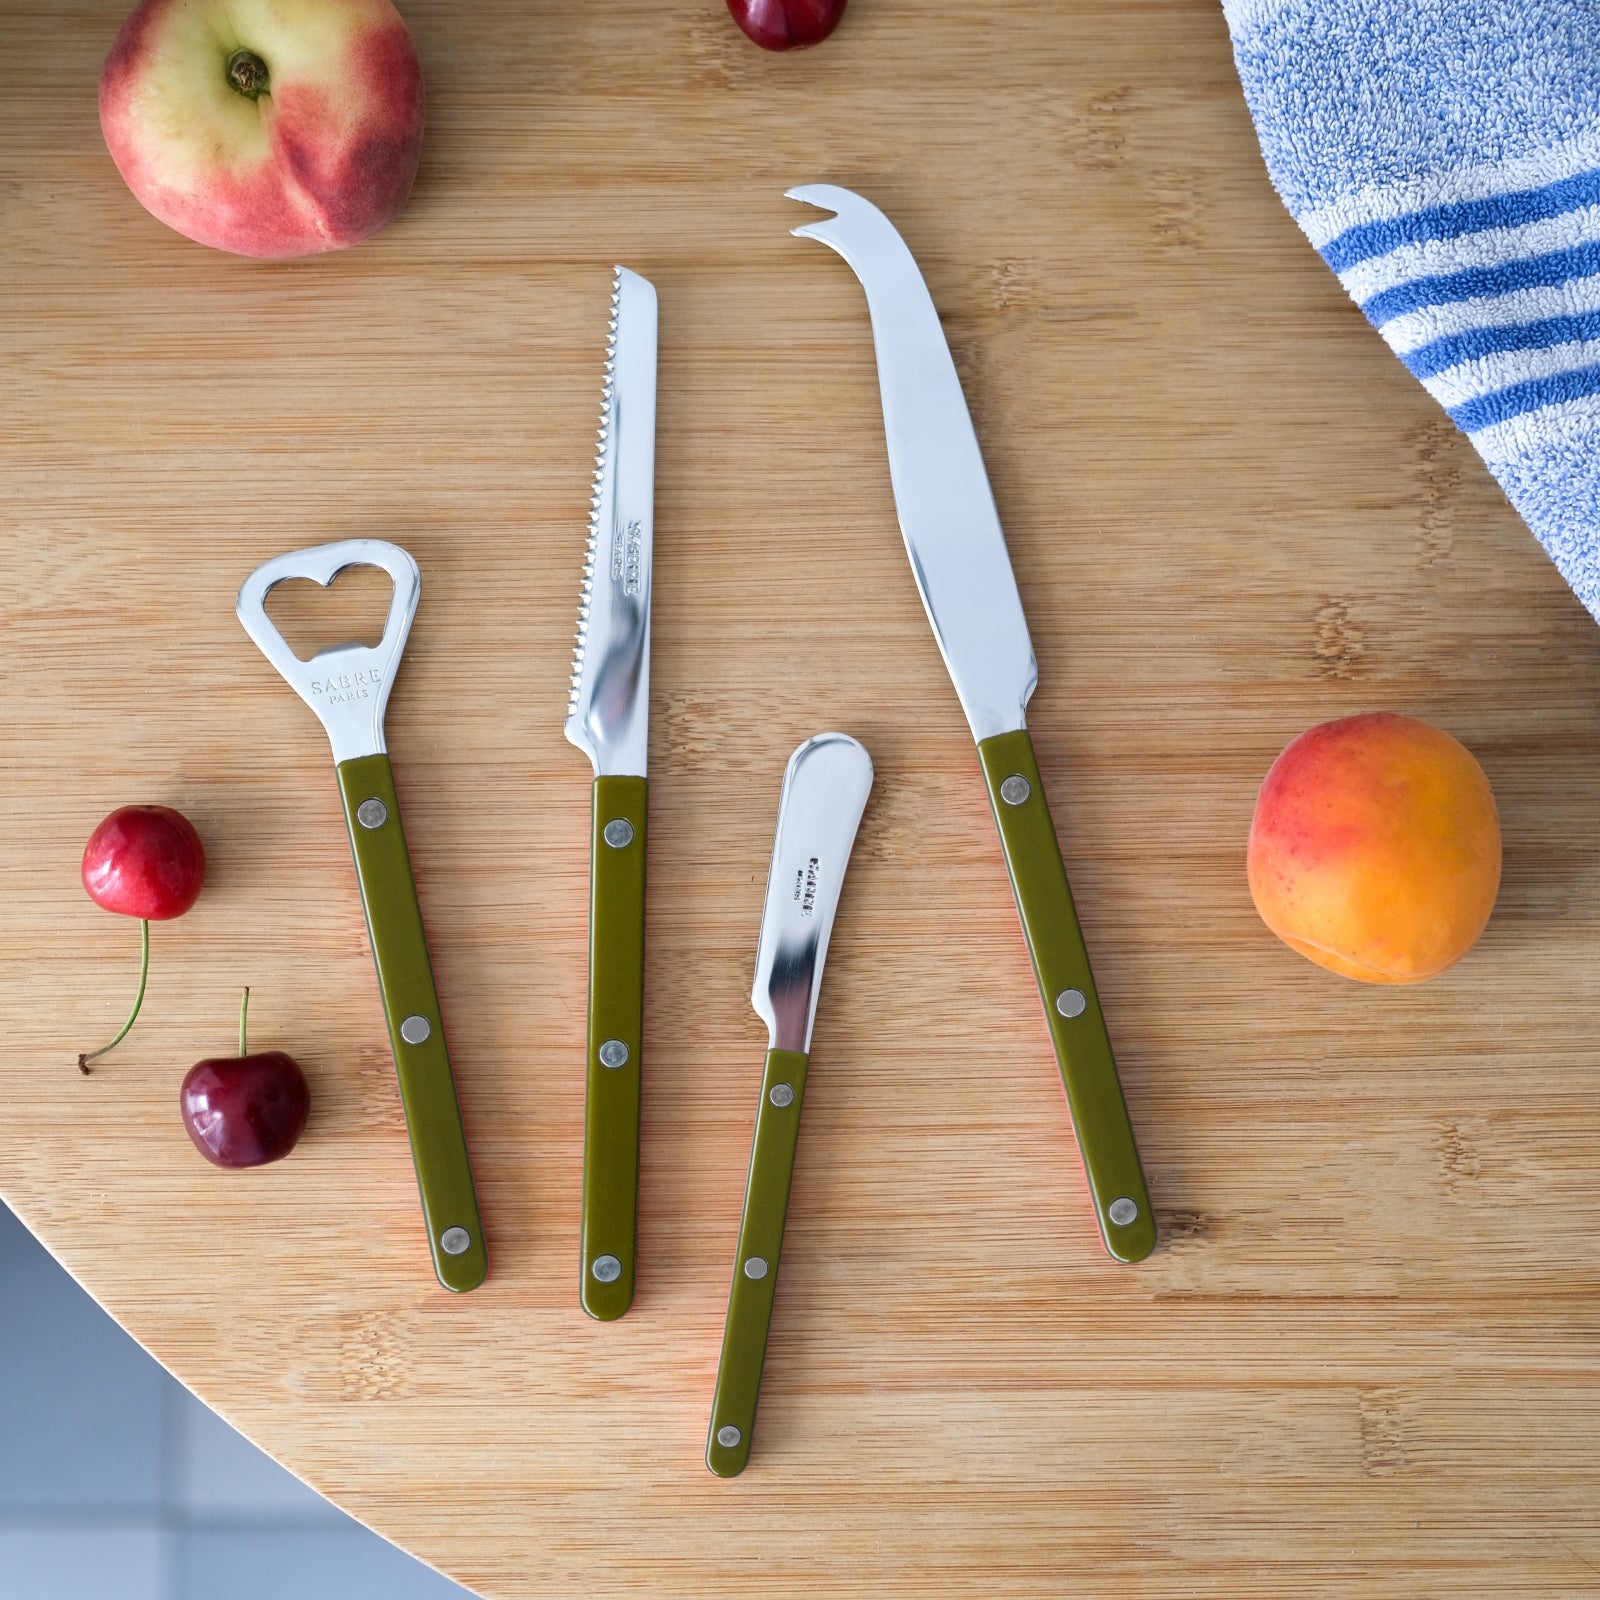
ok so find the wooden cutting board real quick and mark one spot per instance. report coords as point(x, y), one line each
point(1366, 1357)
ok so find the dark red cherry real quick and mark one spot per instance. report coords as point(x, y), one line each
point(787, 24)
point(244, 1111)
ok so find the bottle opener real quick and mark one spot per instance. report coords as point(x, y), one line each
point(348, 688)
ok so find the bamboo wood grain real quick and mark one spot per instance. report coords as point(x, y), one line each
point(1364, 1360)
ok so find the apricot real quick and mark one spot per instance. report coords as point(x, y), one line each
point(1375, 848)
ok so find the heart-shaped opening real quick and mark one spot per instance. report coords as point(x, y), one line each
point(351, 610)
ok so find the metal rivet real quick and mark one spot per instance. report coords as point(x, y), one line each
point(613, 1053)
point(454, 1241)
point(728, 1436)
point(755, 1267)
point(606, 1269)
point(782, 1095)
point(372, 813)
point(1123, 1211)
point(618, 833)
point(416, 1030)
point(1015, 789)
point(1072, 1002)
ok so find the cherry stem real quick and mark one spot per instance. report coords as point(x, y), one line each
point(144, 975)
point(244, 1006)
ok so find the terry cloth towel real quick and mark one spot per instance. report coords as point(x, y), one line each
point(1444, 158)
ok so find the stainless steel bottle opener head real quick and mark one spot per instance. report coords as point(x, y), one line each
point(346, 685)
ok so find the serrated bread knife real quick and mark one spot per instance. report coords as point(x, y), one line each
point(348, 688)
point(824, 793)
point(608, 717)
point(958, 555)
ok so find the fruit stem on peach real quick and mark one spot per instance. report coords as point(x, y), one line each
point(144, 977)
point(247, 72)
point(244, 1006)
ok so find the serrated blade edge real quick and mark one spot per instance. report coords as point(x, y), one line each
point(597, 494)
point(608, 697)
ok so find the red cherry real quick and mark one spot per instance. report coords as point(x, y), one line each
point(144, 861)
point(244, 1111)
point(787, 24)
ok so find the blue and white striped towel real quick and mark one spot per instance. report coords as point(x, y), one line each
point(1444, 158)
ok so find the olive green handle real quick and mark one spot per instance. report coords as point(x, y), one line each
point(1066, 985)
point(416, 1030)
point(755, 1265)
point(609, 1227)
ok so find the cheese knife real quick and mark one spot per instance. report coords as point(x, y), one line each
point(963, 571)
point(825, 790)
point(608, 718)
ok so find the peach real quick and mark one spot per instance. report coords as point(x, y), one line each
point(265, 127)
point(1375, 848)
